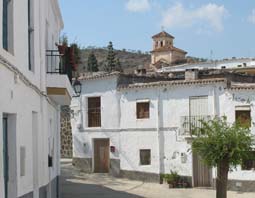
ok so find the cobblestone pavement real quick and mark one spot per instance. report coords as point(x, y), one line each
point(75, 184)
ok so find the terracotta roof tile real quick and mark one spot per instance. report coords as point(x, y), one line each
point(174, 82)
point(168, 48)
point(162, 34)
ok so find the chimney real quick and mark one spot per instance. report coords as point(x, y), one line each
point(191, 74)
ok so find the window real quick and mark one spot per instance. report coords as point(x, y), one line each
point(30, 35)
point(7, 24)
point(243, 117)
point(142, 110)
point(249, 164)
point(94, 112)
point(145, 157)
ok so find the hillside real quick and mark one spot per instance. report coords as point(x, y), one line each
point(129, 59)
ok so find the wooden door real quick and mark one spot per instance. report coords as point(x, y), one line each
point(101, 155)
point(202, 174)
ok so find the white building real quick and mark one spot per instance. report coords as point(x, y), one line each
point(30, 98)
point(138, 127)
point(241, 65)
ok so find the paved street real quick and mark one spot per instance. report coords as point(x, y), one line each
point(80, 185)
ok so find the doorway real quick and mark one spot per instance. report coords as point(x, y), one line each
point(202, 174)
point(5, 156)
point(101, 155)
point(9, 155)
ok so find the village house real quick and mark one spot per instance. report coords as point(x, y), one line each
point(138, 125)
point(33, 86)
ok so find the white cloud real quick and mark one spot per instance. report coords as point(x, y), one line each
point(251, 18)
point(211, 15)
point(138, 5)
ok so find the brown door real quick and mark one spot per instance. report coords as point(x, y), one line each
point(101, 155)
point(202, 174)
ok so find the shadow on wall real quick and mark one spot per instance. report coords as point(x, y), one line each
point(77, 190)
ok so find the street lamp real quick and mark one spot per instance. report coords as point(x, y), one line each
point(77, 88)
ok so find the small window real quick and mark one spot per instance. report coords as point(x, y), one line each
point(7, 23)
point(243, 117)
point(239, 65)
point(94, 112)
point(249, 164)
point(145, 157)
point(142, 110)
point(223, 67)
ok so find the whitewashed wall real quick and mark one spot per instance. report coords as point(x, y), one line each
point(161, 132)
point(21, 100)
point(110, 115)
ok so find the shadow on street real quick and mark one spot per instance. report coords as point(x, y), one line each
point(77, 190)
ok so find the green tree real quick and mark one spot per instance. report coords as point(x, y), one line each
point(110, 60)
point(222, 145)
point(118, 65)
point(92, 63)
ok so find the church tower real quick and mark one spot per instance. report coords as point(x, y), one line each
point(164, 50)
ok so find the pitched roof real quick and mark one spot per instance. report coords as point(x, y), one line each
point(162, 34)
point(172, 83)
point(169, 48)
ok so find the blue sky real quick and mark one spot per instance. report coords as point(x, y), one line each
point(225, 27)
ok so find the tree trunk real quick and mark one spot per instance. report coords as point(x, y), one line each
point(222, 179)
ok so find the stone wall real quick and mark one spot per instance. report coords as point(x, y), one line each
point(66, 133)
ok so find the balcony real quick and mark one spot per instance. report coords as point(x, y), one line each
point(189, 123)
point(58, 78)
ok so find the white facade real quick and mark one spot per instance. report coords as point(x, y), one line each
point(162, 131)
point(33, 114)
point(239, 64)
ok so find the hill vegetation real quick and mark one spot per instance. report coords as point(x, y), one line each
point(129, 59)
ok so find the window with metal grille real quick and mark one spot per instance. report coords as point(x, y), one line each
point(94, 112)
point(145, 157)
point(243, 117)
point(250, 163)
point(142, 110)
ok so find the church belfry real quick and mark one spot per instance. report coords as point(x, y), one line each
point(164, 50)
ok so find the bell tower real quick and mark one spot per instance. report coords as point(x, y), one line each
point(164, 50)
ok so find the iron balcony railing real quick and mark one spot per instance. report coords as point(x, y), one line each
point(189, 123)
point(56, 64)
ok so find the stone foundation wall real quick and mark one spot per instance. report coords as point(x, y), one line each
point(115, 167)
point(83, 164)
point(239, 185)
point(66, 133)
point(142, 176)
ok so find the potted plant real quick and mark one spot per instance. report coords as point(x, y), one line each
point(161, 178)
point(169, 180)
point(173, 179)
point(63, 46)
point(62, 49)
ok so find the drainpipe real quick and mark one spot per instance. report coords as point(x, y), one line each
point(160, 143)
point(80, 122)
point(215, 111)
